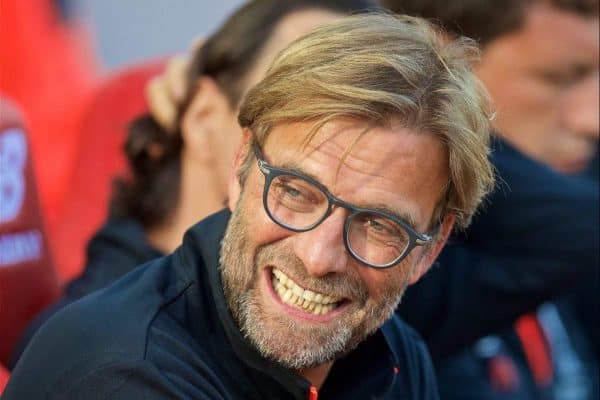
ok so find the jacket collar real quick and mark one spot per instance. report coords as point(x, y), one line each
point(205, 237)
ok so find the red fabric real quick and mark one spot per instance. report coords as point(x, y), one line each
point(48, 69)
point(4, 375)
point(504, 376)
point(536, 348)
point(27, 279)
point(104, 128)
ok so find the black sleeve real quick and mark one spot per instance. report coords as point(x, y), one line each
point(136, 380)
point(584, 304)
point(121, 379)
point(115, 250)
point(420, 370)
point(118, 380)
point(414, 376)
point(537, 237)
point(427, 386)
point(537, 211)
point(102, 374)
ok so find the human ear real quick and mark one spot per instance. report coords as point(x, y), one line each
point(203, 119)
point(241, 154)
point(438, 242)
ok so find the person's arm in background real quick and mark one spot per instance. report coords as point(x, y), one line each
point(584, 300)
point(166, 91)
point(537, 238)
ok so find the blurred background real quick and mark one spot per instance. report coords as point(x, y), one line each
point(129, 31)
point(58, 55)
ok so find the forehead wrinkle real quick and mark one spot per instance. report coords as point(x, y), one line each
point(375, 205)
point(379, 206)
point(400, 213)
point(347, 163)
point(347, 157)
point(333, 146)
point(407, 159)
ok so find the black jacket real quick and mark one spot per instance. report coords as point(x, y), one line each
point(164, 332)
point(568, 336)
point(116, 249)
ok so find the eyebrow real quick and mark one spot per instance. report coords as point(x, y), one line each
point(568, 70)
point(401, 215)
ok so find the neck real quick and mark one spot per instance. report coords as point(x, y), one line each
point(200, 194)
point(316, 375)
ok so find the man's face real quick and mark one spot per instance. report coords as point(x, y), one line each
point(266, 268)
point(543, 79)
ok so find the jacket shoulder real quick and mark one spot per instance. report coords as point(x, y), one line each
point(104, 334)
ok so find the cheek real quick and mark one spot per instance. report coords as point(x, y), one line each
point(386, 282)
point(579, 107)
point(226, 145)
point(526, 95)
point(262, 230)
point(527, 111)
point(517, 93)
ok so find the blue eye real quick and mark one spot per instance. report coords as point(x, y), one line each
point(376, 226)
point(296, 194)
point(290, 191)
point(381, 225)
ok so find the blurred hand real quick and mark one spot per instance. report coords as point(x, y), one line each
point(165, 92)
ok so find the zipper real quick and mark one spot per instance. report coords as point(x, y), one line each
point(312, 393)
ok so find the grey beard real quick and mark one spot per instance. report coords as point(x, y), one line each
point(278, 338)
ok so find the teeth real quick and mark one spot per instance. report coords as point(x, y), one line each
point(288, 283)
point(305, 299)
point(287, 296)
point(308, 295)
point(298, 291)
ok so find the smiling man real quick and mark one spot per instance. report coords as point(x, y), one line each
point(328, 272)
point(366, 142)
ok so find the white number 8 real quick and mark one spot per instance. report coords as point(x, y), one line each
point(13, 155)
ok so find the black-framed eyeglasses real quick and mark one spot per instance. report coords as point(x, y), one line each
point(300, 203)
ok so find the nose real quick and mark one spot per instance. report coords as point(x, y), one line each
point(322, 249)
point(580, 108)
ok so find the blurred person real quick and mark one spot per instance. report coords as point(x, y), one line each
point(540, 64)
point(345, 186)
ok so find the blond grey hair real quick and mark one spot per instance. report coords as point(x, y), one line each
point(386, 70)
